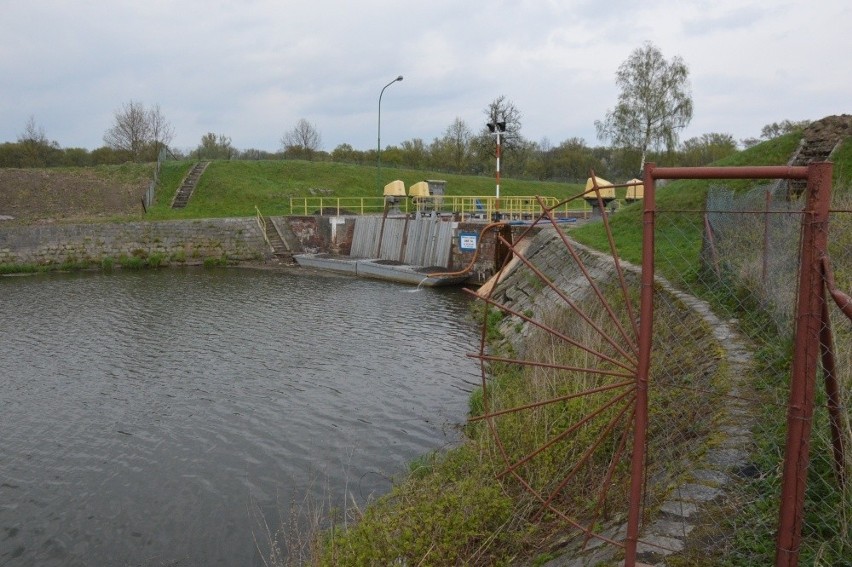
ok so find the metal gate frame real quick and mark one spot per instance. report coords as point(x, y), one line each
point(812, 344)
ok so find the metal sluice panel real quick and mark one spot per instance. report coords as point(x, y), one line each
point(420, 242)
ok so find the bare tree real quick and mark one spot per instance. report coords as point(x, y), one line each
point(784, 127)
point(161, 130)
point(139, 132)
point(653, 105)
point(499, 111)
point(503, 110)
point(303, 140)
point(36, 149)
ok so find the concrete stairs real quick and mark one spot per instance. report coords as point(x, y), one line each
point(188, 185)
point(281, 249)
point(820, 140)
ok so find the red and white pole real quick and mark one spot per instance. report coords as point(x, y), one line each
point(497, 200)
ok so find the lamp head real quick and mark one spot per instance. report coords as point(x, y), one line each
point(399, 78)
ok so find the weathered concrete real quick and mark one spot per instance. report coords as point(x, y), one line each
point(237, 239)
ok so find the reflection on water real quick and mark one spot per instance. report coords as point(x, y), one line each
point(145, 415)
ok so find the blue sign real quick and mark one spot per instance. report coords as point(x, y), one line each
point(467, 241)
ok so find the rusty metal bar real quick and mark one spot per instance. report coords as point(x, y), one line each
point(549, 401)
point(598, 293)
point(597, 371)
point(564, 296)
point(646, 326)
point(765, 266)
point(556, 333)
point(832, 390)
point(747, 172)
point(607, 480)
point(614, 251)
point(805, 361)
point(585, 457)
point(557, 438)
point(843, 301)
point(714, 254)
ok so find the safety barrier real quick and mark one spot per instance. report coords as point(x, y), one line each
point(466, 206)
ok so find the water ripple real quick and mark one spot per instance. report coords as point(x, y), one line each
point(145, 413)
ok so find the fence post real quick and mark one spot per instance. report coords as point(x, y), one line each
point(646, 324)
point(805, 359)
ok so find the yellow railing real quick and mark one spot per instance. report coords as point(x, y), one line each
point(261, 223)
point(337, 206)
point(467, 206)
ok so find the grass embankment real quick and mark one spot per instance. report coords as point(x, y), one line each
point(451, 509)
point(454, 509)
point(745, 532)
point(235, 188)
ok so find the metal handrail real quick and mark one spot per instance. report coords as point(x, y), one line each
point(261, 222)
point(468, 206)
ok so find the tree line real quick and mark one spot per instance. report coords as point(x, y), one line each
point(654, 104)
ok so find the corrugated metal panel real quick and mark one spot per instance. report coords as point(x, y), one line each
point(427, 242)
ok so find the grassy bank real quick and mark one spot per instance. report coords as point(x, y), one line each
point(454, 509)
point(234, 188)
point(422, 521)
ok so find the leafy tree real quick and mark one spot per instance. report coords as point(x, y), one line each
point(255, 154)
point(76, 157)
point(543, 163)
point(303, 141)
point(574, 160)
point(707, 148)
point(414, 153)
point(458, 137)
point(347, 154)
point(750, 142)
point(654, 103)
point(10, 154)
point(392, 156)
point(139, 132)
point(215, 147)
point(452, 152)
point(107, 155)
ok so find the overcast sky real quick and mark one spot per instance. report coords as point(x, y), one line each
point(250, 69)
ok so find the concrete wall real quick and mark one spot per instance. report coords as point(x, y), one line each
point(314, 234)
point(192, 240)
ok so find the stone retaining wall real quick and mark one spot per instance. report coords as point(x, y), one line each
point(238, 239)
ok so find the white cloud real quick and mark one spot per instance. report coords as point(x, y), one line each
point(251, 69)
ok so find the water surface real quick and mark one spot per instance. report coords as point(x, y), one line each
point(150, 418)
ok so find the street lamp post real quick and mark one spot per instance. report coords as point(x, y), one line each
point(379, 137)
point(497, 128)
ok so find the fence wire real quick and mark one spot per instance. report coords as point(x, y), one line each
point(741, 254)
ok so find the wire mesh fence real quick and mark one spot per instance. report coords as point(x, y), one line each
point(741, 253)
point(684, 413)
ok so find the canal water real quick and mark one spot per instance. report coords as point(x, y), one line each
point(162, 417)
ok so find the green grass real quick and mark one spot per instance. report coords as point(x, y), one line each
point(752, 518)
point(235, 188)
point(746, 530)
point(678, 237)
